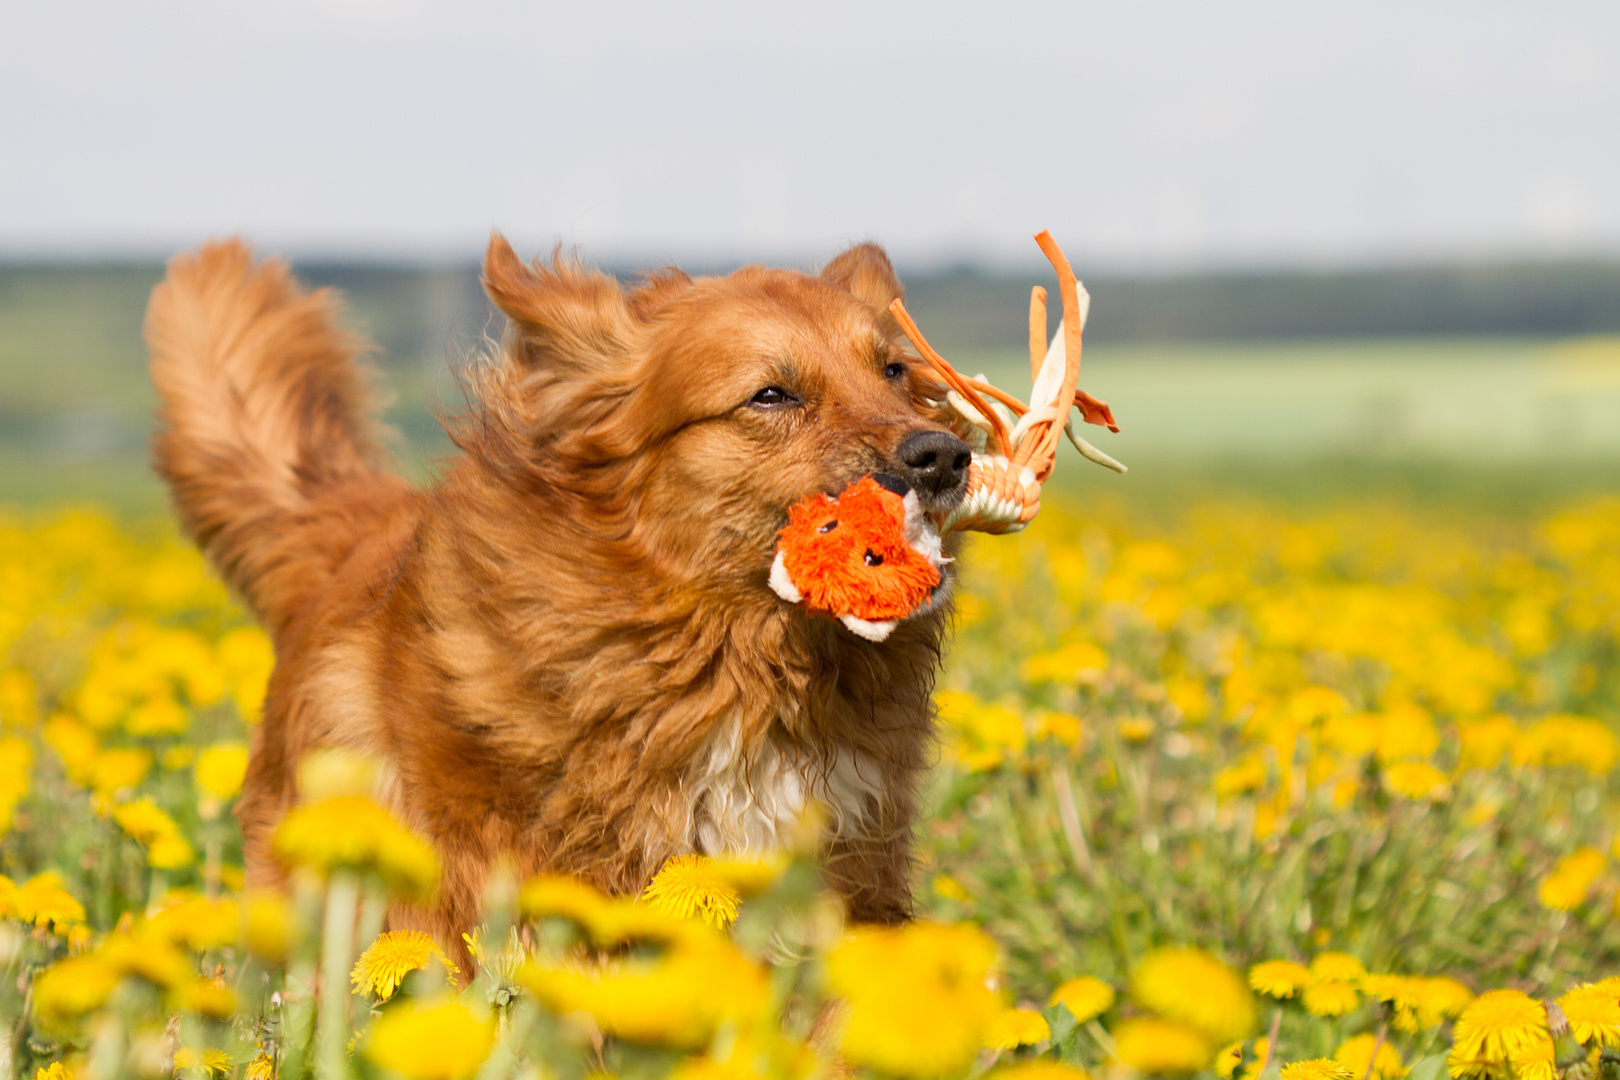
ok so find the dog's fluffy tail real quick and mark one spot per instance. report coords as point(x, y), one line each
point(265, 420)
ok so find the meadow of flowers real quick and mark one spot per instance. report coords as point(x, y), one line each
point(1235, 790)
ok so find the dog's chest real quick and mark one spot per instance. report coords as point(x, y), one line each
point(749, 800)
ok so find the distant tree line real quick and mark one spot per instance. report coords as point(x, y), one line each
point(419, 312)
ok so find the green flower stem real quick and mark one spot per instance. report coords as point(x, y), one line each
point(342, 903)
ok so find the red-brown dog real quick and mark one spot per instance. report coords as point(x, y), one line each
point(566, 652)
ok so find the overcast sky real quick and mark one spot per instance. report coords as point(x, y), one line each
point(1144, 134)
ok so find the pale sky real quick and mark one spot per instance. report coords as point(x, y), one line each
point(1144, 134)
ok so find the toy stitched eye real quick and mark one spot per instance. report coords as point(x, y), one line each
point(873, 558)
point(829, 527)
point(894, 371)
point(772, 396)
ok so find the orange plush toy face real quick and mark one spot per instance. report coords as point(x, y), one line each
point(869, 557)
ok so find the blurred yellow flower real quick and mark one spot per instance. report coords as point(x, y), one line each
point(689, 887)
point(1417, 780)
point(1500, 1027)
point(1160, 1048)
point(1086, 996)
point(1484, 744)
point(1593, 1011)
point(352, 832)
point(207, 1062)
point(1566, 888)
point(1330, 997)
point(1355, 1054)
point(1336, 967)
point(71, 988)
point(1066, 664)
point(204, 997)
point(432, 1040)
point(220, 769)
point(677, 998)
point(1569, 741)
point(1038, 1069)
point(948, 888)
point(1317, 1069)
point(16, 759)
point(45, 901)
point(1279, 978)
point(916, 1003)
point(119, 768)
point(1192, 987)
point(267, 925)
point(394, 955)
point(196, 921)
point(262, 1067)
point(1247, 774)
point(155, 830)
point(1014, 1028)
point(56, 1070)
point(1135, 729)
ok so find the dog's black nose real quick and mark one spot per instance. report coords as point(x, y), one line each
point(936, 462)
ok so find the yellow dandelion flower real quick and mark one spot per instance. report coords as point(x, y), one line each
point(1135, 729)
point(1417, 780)
point(1566, 888)
point(688, 887)
point(1315, 1069)
point(146, 956)
point(352, 832)
point(1193, 988)
point(114, 770)
point(1336, 967)
point(220, 768)
point(1228, 1060)
point(209, 1062)
point(71, 988)
point(1039, 1069)
point(1593, 1011)
point(144, 821)
point(1279, 978)
point(1501, 1027)
point(555, 896)
point(394, 955)
point(948, 888)
point(1015, 1028)
point(1159, 1047)
point(1087, 997)
point(435, 1040)
point(1355, 1054)
point(267, 925)
point(56, 1070)
point(679, 998)
point(197, 922)
point(206, 998)
point(751, 875)
point(1330, 998)
point(1436, 998)
point(916, 1003)
point(44, 901)
point(262, 1067)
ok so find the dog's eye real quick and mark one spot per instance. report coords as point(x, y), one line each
point(894, 371)
point(772, 396)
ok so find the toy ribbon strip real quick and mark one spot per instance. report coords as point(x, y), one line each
point(1004, 482)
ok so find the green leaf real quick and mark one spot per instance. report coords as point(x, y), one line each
point(1432, 1067)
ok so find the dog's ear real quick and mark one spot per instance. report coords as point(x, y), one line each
point(658, 289)
point(865, 270)
point(562, 312)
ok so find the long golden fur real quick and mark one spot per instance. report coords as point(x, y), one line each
point(564, 651)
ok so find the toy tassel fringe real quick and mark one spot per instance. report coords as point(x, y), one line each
point(871, 557)
point(1004, 484)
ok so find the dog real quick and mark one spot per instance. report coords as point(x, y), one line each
point(565, 652)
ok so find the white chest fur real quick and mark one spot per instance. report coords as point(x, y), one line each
point(748, 800)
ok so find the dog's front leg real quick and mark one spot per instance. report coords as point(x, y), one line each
point(870, 869)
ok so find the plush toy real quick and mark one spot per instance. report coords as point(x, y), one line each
point(871, 557)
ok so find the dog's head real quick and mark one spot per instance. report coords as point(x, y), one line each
point(687, 415)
